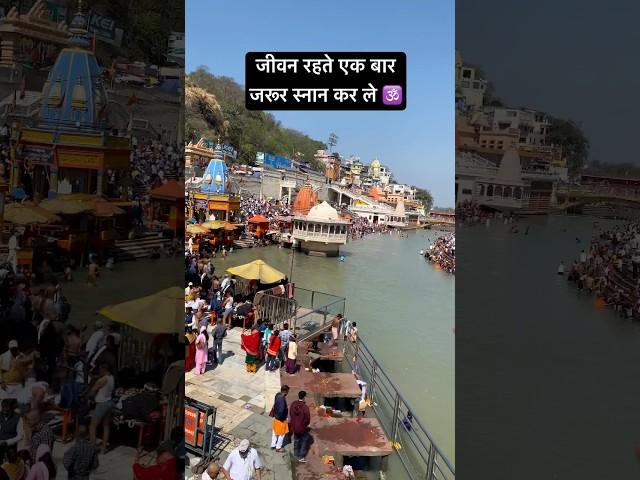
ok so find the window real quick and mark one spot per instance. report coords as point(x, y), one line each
point(466, 73)
point(511, 113)
point(465, 83)
point(467, 191)
point(482, 190)
point(490, 191)
point(476, 85)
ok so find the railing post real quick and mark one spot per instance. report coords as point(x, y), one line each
point(431, 462)
point(313, 293)
point(396, 411)
point(373, 379)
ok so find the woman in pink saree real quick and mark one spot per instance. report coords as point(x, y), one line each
point(202, 351)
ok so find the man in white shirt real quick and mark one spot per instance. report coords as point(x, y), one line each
point(95, 340)
point(12, 258)
point(243, 463)
point(8, 358)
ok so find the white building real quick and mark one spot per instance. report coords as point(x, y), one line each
point(321, 231)
point(407, 191)
point(503, 187)
point(470, 86)
point(532, 125)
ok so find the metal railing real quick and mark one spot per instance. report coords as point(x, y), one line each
point(414, 446)
point(322, 308)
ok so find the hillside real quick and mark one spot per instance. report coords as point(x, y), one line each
point(215, 109)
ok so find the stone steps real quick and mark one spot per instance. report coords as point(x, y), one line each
point(140, 247)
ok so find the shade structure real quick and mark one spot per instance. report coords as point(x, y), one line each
point(161, 312)
point(257, 270)
point(28, 214)
point(229, 227)
point(65, 206)
point(214, 225)
point(196, 229)
point(103, 208)
point(172, 190)
point(258, 219)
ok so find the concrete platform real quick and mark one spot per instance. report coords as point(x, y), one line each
point(324, 385)
point(361, 437)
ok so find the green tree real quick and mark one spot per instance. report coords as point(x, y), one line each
point(568, 135)
point(424, 195)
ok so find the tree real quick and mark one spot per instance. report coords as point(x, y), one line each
point(333, 140)
point(568, 135)
point(424, 195)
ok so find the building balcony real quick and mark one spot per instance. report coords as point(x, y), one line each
point(303, 235)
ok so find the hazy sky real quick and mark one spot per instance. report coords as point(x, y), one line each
point(417, 143)
point(572, 59)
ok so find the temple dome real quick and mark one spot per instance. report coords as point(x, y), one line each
point(305, 200)
point(323, 213)
point(74, 94)
point(375, 193)
point(215, 178)
point(375, 163)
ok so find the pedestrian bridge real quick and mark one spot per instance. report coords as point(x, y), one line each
point(594, 194)
point(339, 194)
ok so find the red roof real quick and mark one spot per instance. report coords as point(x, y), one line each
point(258, 219)
point(170, 190)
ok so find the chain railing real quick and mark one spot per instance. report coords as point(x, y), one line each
point(414, 446)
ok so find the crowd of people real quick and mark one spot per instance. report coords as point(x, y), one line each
point(54, 372)
point(470, 212)
point(443, 252)
point(610, 269)
point(271, 209)
point(360, 226)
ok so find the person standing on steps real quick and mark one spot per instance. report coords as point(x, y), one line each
point(300, 418)
point(280, 413)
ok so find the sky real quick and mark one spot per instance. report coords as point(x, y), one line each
point(572, 59)
point(417, 143)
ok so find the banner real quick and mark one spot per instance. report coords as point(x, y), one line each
point(276, 162)
point(79, 160)
point(38, 155)
point(226, 150)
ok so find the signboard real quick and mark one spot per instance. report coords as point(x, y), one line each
point(200, 204)
point(213, 205)
point(226, 150)
point(199, 427)
point(193, 427)
point(79, 160)
point(38, 155)
point(103, 27)
point(276, 162)
point(288, 184)
point(259, 158)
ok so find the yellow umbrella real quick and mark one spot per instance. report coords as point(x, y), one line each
point(196, 229)
point(216, 224)
point(61, 205)
point(257, 270)
point(26, 215)
point(103, 208)
point(161, 312)
point(37, 208)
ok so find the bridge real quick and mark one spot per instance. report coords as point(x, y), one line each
point(337, 194)
point(587, 194)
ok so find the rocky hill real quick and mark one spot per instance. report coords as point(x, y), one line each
point(215, 110)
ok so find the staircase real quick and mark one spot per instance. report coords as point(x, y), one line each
point(140, 247)
point(247, 243)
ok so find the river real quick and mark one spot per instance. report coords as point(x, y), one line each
point(548, 385)
point(404, 309)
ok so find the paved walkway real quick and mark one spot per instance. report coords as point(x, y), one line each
point(243, 401)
